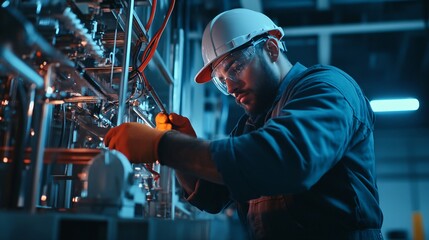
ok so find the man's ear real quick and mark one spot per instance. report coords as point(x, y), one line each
point(272, 48)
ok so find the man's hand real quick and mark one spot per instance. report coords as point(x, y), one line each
point(181, 124)
point(176, 122)
point(138, 142)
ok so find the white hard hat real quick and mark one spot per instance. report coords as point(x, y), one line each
point(230, 30)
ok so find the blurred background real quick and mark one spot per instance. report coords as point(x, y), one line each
point(384, 45)
point(62, 78)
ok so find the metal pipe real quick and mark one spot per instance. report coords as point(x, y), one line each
point(18, 66)
point(368, 27)
point(139, 113)
point(153, 93)
point(126, 63)
point(377, 27)
point(178, 72)
point(138, 32)
point(159, 63)
point(18, 141)
point(68, 188)
point(139, 29)
point(158, 101)
point(37, 160)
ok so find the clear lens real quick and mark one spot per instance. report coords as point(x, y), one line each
point(232, 66)
point(220, 84)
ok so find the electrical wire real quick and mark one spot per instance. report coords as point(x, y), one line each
point(133, 97)
point(153, 93)
point(149, 167)
point(153, 43)
point(148, 54)
point(146, 57)
point(152, 15)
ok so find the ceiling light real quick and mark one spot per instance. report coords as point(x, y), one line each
point(395, 105)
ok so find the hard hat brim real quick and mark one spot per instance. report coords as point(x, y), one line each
point(204, 75)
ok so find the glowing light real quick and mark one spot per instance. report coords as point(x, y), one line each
point(82, 176)
point(49, 90)
point(43, 198)
point(395, 105)
point(5, 159)
point(5, 4)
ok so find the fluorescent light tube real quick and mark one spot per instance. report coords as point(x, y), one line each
point(395, 105)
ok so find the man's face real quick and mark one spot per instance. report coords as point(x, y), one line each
point(253, 83)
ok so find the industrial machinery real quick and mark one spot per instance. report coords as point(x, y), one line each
point(69, 71)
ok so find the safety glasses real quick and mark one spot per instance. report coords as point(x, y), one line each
point(232, 66)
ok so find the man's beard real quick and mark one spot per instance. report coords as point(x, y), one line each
point(265, 94)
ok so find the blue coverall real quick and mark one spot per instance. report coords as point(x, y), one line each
point(305, 169)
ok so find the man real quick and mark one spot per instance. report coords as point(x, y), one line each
point(300, 162)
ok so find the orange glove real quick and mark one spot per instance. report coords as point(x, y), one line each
point(176, 122)
point(138, 142)
point(162, 123)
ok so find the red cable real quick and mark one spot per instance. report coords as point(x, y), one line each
point(152, 16)
point(153, 44)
